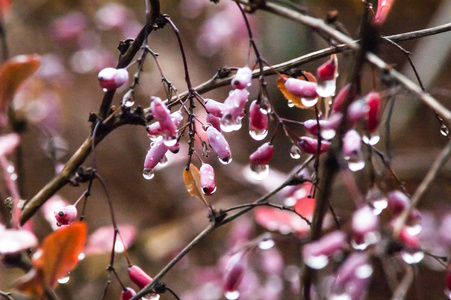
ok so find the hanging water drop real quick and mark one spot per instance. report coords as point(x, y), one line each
point(225, 161)
point(379, 205)
point(232, 295)
point(373, 139)
point(356, 165)
point(169, 141)
point(259, 172)
point(316, 262)
point(412, 257)
point(164, 161)
point(81, 256)
point(290, 104)
point(148, 174)
point(105, 90)
point(328, 133)
point(258, 135)
point(309, 102)
point(295, 152)
point(444, 130)
point(64, 279)
point(326, 88)
point(266, 243)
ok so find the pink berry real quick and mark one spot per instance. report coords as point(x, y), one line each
point(327, 70)
point(364, 224)
point(138, 276)
point(262, 155)
point(397, 201)
point(301, 88)
point(207, 179)
point(65, 215)
point(373, 101)
point(111, 78)
point(155, 131)
point(310, 145)
point(214, 107)
point(242, 78)
point(219, 144)
point(258, 121)
point(214, 121)
point(341, 97)
point(163, 116)
point(127, 293)
point(356, 111)
point(351, 143)
point(409, 240)
point(155, 155)
point(234, 272)
point(234, 105)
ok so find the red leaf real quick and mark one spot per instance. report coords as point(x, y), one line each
point(57, 255)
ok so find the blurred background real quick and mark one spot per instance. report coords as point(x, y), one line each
point(78, 38)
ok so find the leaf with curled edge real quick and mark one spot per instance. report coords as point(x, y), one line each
point(58, 254)
point(191, 178)
point(13, 73)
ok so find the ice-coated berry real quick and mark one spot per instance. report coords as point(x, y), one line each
point(155, 154)
point(351, 143)
point(138, 276)
point(310, 145)
point(373, 101)
point(327, 70)
point(111, 78)
point(258, 121)
point(262, 155)
point(219, 144)
point(397, 201)
point(163, 116)
point(127, 293)
point(242, 78)
point(341, 97)
point(234, 272)
point(301, 88)
point(214, 107)
point(65, 215)
point(207, 179)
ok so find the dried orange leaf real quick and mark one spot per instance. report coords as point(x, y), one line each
point(289, 96)
point(191, 178)
point(13, 73)
point(58, 254)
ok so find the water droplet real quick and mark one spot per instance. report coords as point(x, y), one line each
point(229, 124)
point(414, 229)
point(373, 139)
point(164, 161)
point(290, 201)
point(10, 169)
point(81, 256)
point(265, 109)
point(105, 90)
point(258, 135)
point(225, 161)
point(309, 102)
point(326, 88)
point(266, 243)
point(64, 280)
point(290, 104)
point(328, 134)
point(128, 102)
point(343, 296)
point(295, 152)
point(356, 162)
point(412, 257)
point(148, 174)
point(369, 238)
point(13, 177)
point(356, 165)
point(444, 130)
point(169, 141)
point(364, 271)
point(232, 295)
point(316, 261)
point(379, 205)
point(259, 172)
